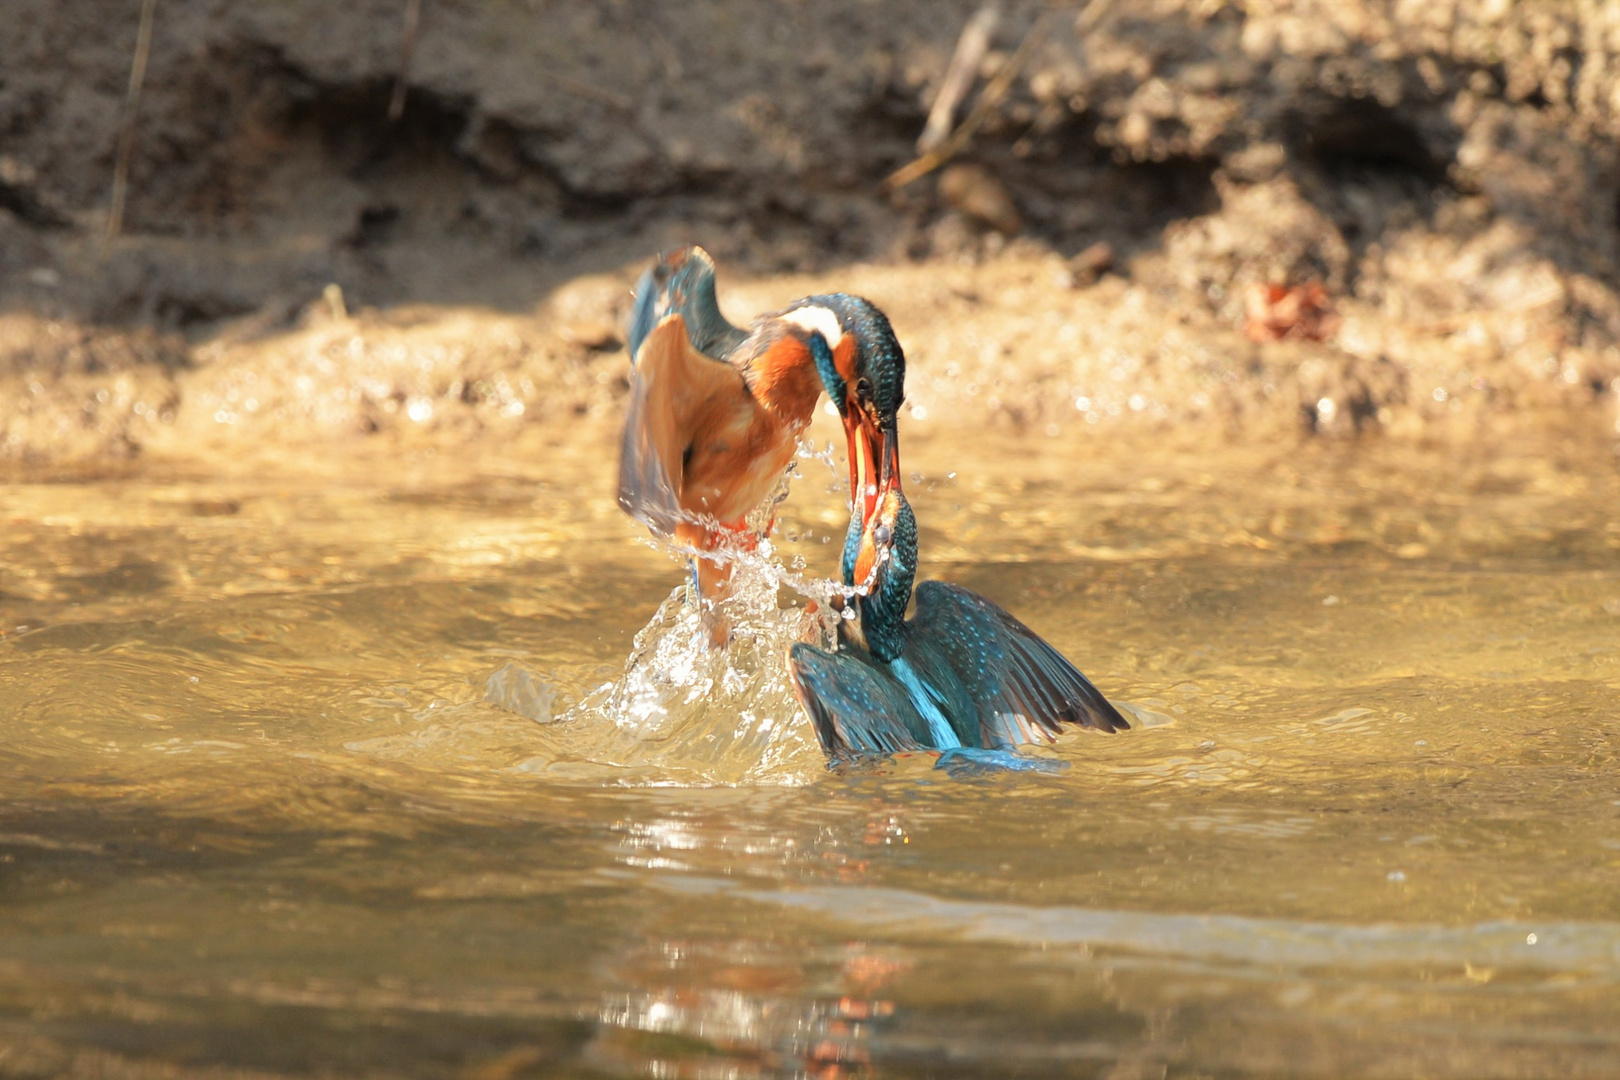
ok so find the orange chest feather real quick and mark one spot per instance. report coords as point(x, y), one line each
point(735, 458)
point(785, 380)
point(741, 444)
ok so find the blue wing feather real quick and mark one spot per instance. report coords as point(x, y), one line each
point(855, 709)
point(674, 389)
point(1019, 685)
point(681, 282)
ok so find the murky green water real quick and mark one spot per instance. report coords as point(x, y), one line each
point(257, 817)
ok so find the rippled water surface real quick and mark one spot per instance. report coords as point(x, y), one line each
point(332, 775)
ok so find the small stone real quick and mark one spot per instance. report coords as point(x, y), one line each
point(1257, 163)
point(1091, 264)
point(976, 192)
point(1135, 131)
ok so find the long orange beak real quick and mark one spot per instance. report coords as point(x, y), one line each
point(874, 463)
point(881, 505)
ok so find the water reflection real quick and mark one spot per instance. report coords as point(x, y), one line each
point(747, 1008)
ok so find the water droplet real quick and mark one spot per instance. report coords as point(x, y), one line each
point(1325, 409)
point(1395, 875)
point(1530, 939)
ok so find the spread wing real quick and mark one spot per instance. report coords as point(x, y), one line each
point(1019, 685)
point(682, 282)
point(674, 392)
point(854, 708)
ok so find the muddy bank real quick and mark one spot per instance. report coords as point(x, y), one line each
point(1093, 263)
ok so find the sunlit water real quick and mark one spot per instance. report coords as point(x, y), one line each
point(258, 815)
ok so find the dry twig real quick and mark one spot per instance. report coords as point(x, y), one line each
point(132, 104)
point(994, 94)
point(407, 49)
point(970, 49)
point(1091, 15)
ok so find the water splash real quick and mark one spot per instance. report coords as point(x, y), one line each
point(693, 710)
point(685, 709)
point(727, 715)
point(827, 455)
point(519, 690)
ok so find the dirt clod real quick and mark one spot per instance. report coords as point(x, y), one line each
point(1092, 263)
point(976, 192)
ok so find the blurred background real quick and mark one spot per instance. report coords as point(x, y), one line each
point(1110, 249)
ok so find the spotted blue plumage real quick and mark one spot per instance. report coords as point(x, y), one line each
point(963, 675)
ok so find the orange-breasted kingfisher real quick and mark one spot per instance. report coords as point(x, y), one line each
point(962, 673)
point(716, 411)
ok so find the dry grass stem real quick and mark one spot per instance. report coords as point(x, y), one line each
point(132, 104)
point(970, 49)
point(407, 48)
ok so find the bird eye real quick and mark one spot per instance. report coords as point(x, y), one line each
point(882, 534)
point(863, 387)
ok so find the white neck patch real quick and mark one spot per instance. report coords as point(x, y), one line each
point(814, 317)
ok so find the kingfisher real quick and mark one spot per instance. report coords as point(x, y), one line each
point(961, 675)
point(715, 414)
point(716, 411)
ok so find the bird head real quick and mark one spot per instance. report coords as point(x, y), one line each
point(886, 564)
point(863, 370)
